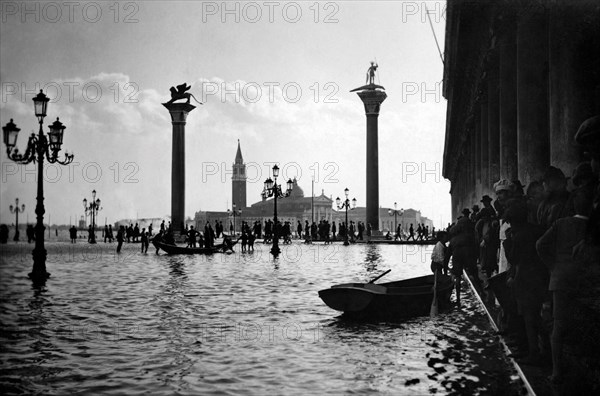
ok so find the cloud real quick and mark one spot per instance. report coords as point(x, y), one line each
point(116, 126)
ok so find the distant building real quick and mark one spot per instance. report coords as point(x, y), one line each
point(145, 222)
point(293, 208)
point(238, 180)
point(296, 207)
point(386, 222)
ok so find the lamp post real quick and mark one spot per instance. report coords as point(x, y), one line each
point(234, 213)
point(93, 208)
point(395, 213)
point(346, 204)
point(16, 210)
point(38, 147)
point(272, 189)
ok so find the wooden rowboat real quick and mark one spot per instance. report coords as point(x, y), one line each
point(174, 249)
point(389, 301)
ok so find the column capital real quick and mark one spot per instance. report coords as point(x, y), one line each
point(372, 99)
point(179, 111)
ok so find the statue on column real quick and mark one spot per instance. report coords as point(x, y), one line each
point(371, 73)
point(371, 86)
point(180, 93)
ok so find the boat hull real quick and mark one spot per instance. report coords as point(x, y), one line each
point(389, 301)
point(173, 249)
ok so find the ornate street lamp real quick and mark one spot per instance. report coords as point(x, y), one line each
point(16, 210)
point(272, 189)
point(93, 208)
point(395, 213)
point(346, 204)
point(38, 147)
point(234, 213)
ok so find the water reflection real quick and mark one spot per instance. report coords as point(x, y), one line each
point(177, 267)
point(174, 327)
point(372, 259)
point(228, 324)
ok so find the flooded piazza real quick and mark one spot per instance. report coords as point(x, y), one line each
point(242, 323)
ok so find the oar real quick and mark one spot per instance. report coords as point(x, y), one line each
point(381, 276)
point(434, 304)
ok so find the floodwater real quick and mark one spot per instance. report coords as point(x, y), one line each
point(230, 324)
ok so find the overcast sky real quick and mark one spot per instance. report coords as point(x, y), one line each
point(275, 75)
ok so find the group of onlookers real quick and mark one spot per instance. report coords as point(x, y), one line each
point(542, 241)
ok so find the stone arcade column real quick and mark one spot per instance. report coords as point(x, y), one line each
point(571, 92)
point(508, 103)
point(493, 129)
point(484, 145)
point(477, 160)
point(372, 99)
point(532, 90)
point(179, 112)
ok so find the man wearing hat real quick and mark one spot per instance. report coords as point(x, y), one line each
point(533, 197)
point(463, 222)
point(519, 188)
point(504, 192)
point(487, 235)
point(552, 206)
point(475, 215)
point(486, 200)
point(588, 136)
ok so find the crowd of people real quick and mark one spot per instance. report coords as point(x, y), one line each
point(322, 231)
point(541, 242)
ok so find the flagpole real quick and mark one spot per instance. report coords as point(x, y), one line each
point(312, 201)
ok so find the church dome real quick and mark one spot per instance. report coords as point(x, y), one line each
point(297, 191)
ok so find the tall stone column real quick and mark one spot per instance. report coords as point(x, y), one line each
point(571, 90)
point(493, 126)
point(179, 112)
point(477, 160)
point(483, 148)
point(372, 99)
point(532, 90)
point(508, 102)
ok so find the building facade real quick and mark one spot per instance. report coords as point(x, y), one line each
point(519, 77)
point(387, 222)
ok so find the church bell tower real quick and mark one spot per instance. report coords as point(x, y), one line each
point(238, 180)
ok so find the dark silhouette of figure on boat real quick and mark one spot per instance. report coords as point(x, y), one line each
point(192, 234)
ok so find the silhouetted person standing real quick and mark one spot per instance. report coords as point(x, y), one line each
point(73, 234)
point(145, 242)
point(3, 233)
point(30, 232)
point(120, 238)
point(411, 233)
point(110, 233)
